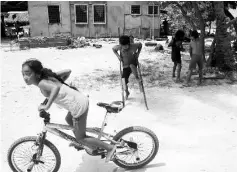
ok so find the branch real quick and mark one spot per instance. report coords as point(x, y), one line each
point(234, 21)
point(185, 15)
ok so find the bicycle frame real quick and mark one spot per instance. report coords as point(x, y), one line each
point(55, 129)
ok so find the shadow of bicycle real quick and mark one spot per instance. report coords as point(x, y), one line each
point(96, 164)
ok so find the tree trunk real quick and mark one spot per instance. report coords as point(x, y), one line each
point(211, 60)
point(202, 27)
point(223, 53)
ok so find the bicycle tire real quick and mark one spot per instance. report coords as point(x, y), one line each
point(149, 158)
point(20, 141)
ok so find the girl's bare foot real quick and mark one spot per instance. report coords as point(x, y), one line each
point(110, 154)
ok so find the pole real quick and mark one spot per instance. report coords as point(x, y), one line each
point(153, 37)
point(158, 21)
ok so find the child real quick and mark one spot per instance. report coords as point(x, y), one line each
point(176, 45)
point(129, 53)
point(196, 57)
point(53, 87)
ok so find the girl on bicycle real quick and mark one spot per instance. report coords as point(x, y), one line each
point(53, 87)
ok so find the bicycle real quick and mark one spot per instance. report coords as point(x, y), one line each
point(31, 152)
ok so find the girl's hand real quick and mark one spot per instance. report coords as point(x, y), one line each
point(42, 107)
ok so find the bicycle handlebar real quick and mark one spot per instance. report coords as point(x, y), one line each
point(43, 113)
point(45, 101)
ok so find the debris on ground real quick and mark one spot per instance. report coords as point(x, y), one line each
point(159, 47)
point(150, 44)
point(97, 45)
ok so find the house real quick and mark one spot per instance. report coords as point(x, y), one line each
point(94, 18)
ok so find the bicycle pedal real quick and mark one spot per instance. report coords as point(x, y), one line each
point(76, 147)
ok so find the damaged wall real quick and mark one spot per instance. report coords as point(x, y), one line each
point(38, 17)
point(118, 14)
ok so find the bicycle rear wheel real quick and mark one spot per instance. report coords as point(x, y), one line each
point(23, 152)
point(141, 147)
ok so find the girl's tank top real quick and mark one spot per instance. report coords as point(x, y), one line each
point(72, 100)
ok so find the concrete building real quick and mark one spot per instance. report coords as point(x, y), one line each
point(94, 18)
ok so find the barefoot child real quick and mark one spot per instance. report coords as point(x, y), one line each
point(53, 87)
point(196, 57)
point(176, 45)
point(129, 53)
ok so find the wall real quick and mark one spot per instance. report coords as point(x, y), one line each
point(117, 15)
point(38, 16)
point(140, 25)
point(90, 29)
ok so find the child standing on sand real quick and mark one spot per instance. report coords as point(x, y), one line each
point(196, 55)
point(129, 53)
point(53, 87)
point(176, 44)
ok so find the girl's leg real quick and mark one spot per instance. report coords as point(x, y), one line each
point(174, 69)
point(80, 134)
point(178, 72)
point(68, 119)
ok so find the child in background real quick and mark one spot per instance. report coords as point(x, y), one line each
point(196, 55)
point(129, 53)
point(176, 44)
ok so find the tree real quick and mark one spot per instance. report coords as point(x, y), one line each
point(223, 53)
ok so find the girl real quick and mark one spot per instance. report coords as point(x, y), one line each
point(53, 87)
point(176, 45)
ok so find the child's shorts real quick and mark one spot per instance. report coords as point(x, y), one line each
point(196, 59)
point(126, 73)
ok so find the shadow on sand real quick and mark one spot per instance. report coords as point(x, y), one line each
point(96, 164)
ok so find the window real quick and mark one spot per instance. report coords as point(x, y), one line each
point(81, 14)
point(135, 9)
point(150, 9)
point(54, 14)
point(99, 14)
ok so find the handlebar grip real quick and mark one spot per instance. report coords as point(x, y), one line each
point(44, 114)
point(45, 101)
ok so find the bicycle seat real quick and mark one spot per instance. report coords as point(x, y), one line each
point(114, 107)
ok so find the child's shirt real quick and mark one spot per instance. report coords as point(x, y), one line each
point(128, 55)
point(176, 48)
point(196, 47)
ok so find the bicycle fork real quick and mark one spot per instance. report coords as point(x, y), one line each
point(36, 156)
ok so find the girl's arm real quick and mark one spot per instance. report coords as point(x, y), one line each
point(64, 74)
point(53, 88)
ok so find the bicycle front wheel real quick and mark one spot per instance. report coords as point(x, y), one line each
point(23, 152)
point(141, 147)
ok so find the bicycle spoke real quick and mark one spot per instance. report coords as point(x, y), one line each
point(145, 146)
point(23, 154)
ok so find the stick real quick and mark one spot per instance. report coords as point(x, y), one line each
point(143, 90)
point(122, 86)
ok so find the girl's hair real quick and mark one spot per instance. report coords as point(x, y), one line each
point(44, 73)
point(195, 34)
point(179, 35)
point(124, 40)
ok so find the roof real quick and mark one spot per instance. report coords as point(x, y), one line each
point(7, 6)
point(20, 16)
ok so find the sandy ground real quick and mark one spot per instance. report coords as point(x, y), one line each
point(196, 126)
